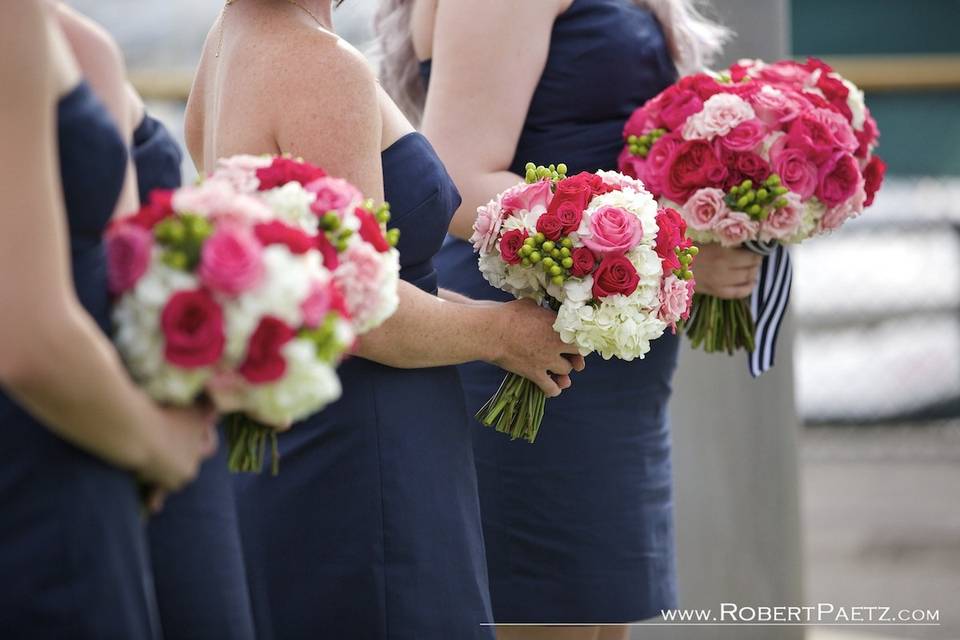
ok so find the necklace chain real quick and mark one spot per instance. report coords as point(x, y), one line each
point(223, 15)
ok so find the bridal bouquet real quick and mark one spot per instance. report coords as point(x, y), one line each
point(597, 249)
point(249, 288)
point(759, 156)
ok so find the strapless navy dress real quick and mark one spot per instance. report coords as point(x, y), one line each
point(73, 557)
point(372, 530)
point(198, 570)
point(579, 525)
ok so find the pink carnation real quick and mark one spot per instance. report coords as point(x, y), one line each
point(128, 256)
point(317, 304)
point(704, 208)
point(231, 261)
point(486, 227)
point(360, 276)
point(783, 222)
point(735, 228)
point(721, 114)
point(333, 194)
point(675, 300)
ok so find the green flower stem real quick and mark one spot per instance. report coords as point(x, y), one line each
point(515, 409)
point(721, 325)
point(247, 445)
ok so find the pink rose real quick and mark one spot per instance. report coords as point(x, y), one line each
point(264, 361)
point(795, 169)
point(839, 179)
point(677, 106)
point(840, 127)
point(783, 222)
point(868, 136)
point(333, 194)
point(526, 197)
point(486, 227)
point(316, 305)
point(746, 136)
point(693, 165)
point(128, 256)
point(193, 330)
point(704, 208)
point(776, 106)
point(675, 300)
point(230, 261)
point(788, 72)
point(641, 121)
point(850, 208)
point(721, 114)
point(510, 245)
point(735, 228)
point(633, 166)
point(820, 132)
point(611, 230)
point(658, 161)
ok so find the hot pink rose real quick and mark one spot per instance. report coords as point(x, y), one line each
point(333, 194)
point(850, 208)
point(746, 136)
point(873, 175)
point(721, 114)
point(230, 261)
point(128, 256)
point(658, 162)
point(583, 262)
point(641, 121)
point(776, 106)
point(675, 300)
point(633, 166)
point(820, 132)
point(677, 106)
point(835, 92)
point(192, 326)
point(264, 363)
point(283, 170)
point(839, 179)
point(788, 72)
point(487, 226)
point(742, 165)
point(783, 222)
point(510, 245)
point(795, 169)
point(611, 230)
point(691, 166)
point(867, 137)
point(735, 228)
point(704, 208)
point(371, 231)
point(526, 197)
point(615, 275)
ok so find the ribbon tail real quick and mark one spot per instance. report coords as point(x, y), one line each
point(768, 303)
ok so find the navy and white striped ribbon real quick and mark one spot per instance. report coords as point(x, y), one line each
point(768, 302)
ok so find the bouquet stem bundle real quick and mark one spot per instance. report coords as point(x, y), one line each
point(721, 325)
point(247, 441)
point(515, 409)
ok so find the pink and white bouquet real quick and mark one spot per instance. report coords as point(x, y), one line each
point(759, 155)
point(597, 249)
point(249, 288)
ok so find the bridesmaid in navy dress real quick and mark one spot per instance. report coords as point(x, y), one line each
point(579, 526)
point(76, 429)
point(372, 528)
point(198, 571)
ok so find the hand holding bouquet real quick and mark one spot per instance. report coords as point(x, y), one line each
point(596, 249)
point(249, 288)
point(758, 156)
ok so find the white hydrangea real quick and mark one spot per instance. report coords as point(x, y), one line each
point(813, 211)
point(291, 204)
point(306, 387)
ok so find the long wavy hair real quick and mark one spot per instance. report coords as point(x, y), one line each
point(694, 42)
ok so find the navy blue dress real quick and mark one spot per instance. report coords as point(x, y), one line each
point(200, 580)
point(579, 525)
point(372, 529)
point(72, 546)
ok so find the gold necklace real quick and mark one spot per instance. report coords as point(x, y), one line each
point(223, 15)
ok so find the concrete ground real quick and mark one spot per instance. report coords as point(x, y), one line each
point(881, 514)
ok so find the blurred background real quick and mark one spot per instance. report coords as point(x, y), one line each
point(877, 351)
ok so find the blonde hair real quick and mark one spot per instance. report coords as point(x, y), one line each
point(694, 41)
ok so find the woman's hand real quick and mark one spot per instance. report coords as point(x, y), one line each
point(528, 346)
point(726, 273)
point(184, 439)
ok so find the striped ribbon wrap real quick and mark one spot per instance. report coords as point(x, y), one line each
point(768, 302)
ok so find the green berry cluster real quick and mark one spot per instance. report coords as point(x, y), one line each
point(554, 257)
point(553, 172)
point(686, 257)
point(758, 203)
point(324, 338)
point(182, 238)
point(640, 145)
point(337, 234)
point(382, 214)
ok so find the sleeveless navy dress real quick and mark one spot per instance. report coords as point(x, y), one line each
point(579, 526)
point(372, 529)
point(200, 579)
point(73, 557)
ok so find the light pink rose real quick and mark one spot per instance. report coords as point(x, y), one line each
point(776, 106)
point(735, 228)
point(850, 208)
point(128, 256)
point(317, 304)
point(611, 231)
point(333, 194)
point(745, 137)
point(675, 300)
point(704, 208)
point(783, 222)
point(231, 260)
point(526, 197)
point(721, 114)
point(216, 199)
point(241, 171)
point(486, 227)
